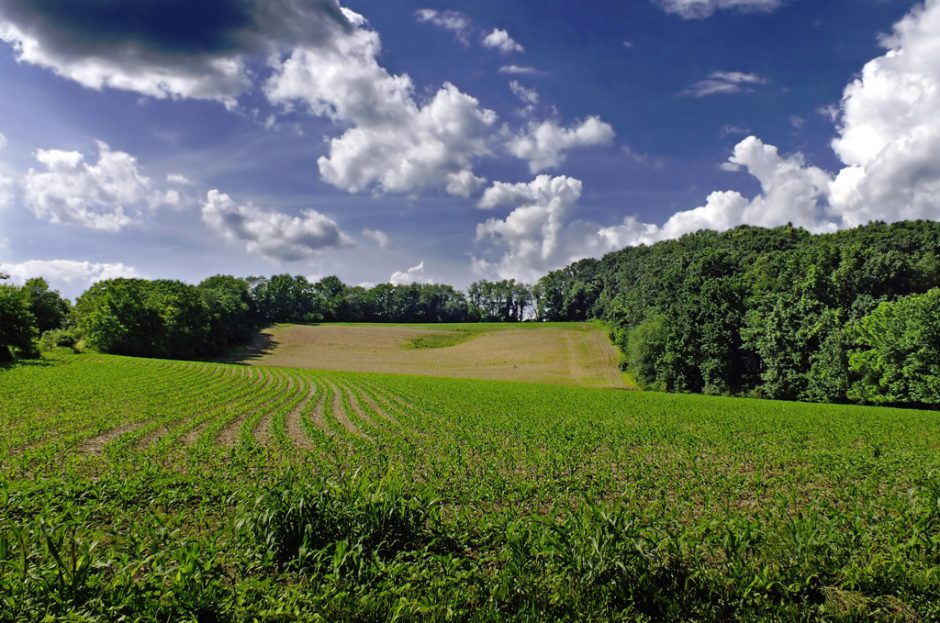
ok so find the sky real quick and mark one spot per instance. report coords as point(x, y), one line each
point(447, 141)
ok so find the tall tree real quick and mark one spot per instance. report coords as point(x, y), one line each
point(49, 309)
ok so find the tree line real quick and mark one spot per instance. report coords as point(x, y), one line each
point(779, 313)
point(168, 318)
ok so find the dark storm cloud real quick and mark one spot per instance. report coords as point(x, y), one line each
point(168, 28)
point(166, 48)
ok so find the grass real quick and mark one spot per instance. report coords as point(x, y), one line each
point(557, 353)
point(388, 497)
point(442, 339)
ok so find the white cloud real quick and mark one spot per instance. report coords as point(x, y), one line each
point(271, 234)
point(454, 21)
point(209, 60)
point(544, 145)
point(179, 179)
point(700, 9)
point(500, 40)
point(395, 144)
point(790, 193)
point(521, 70)
point(432, 145)
point(415, 274)
point(725, 83)
point(343, 82)
point(527, 95)
point(106, 195)
point(463, 183)
point(532, 237)
point(378, 236)
point(69, 276)
point(889, 134)
point(542, 233)
point(3, 141)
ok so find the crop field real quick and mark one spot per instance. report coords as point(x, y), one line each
point(560, 353)
point(136, 489)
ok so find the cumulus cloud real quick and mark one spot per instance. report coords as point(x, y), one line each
point(453, 21)
point(107, 195)
point(271, 234)
point(415, 274)
point(889, 133)
point(499, 39)
point(535, 236)
point(700, 9)
point(435, 145)
point(791, 192)
point(69, 276)
point(3, 141)
point(544, 144)
point(543, 232)
point(725, 83)
point(178, 49)
point(378, 236)
point(395, 144)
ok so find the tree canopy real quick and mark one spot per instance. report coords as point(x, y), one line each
point(777, 313)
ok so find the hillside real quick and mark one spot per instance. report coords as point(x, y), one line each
point(563, 353)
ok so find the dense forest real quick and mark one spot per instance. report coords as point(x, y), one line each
point(852, 316)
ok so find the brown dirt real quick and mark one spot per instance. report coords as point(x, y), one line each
point(355, 406)
point(228, 436)
point(262, 432)
point(339, 411)
point(318, 417)
point(96, 445)
point(581, 355)
point(378, 410)
point(259, 376)
point(292, 424)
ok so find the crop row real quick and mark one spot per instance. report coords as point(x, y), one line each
point(133, 488)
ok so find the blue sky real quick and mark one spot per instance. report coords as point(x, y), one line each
point(448, 141)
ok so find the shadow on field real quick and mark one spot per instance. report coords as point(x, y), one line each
point(262, 344)
point(32, 362)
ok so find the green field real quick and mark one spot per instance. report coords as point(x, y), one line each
point(135, 489)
